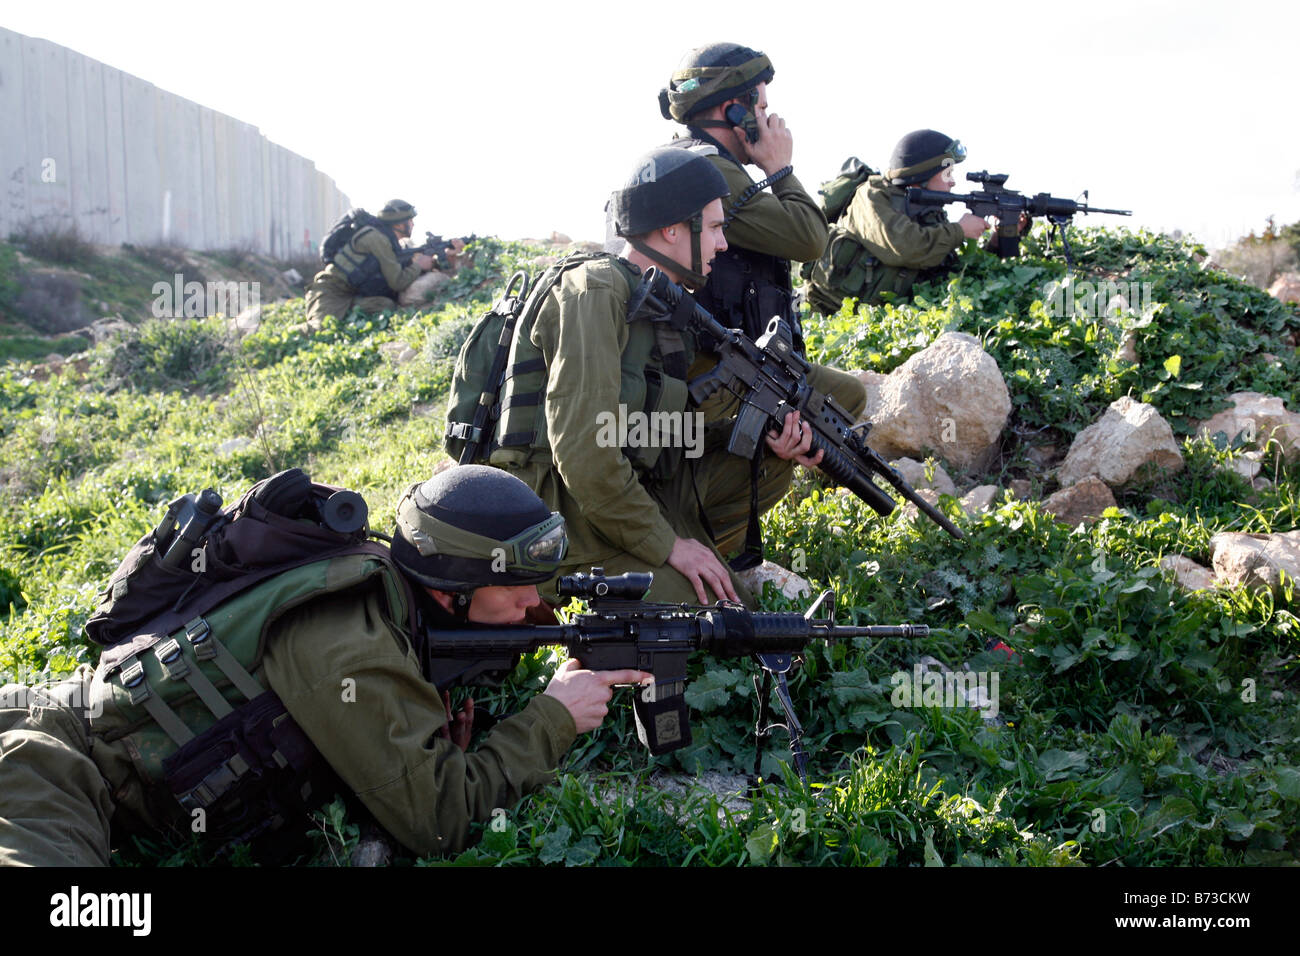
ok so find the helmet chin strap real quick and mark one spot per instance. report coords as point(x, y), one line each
point(694, 276)
point(460, 603)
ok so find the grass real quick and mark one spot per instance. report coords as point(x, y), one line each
point(1147, 726)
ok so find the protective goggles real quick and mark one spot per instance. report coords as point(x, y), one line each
point(539, 548)
point(952, 154)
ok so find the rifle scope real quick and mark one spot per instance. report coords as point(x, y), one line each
point(629, 587)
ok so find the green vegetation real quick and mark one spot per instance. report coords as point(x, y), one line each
point(54, 285)
point(1147, 726)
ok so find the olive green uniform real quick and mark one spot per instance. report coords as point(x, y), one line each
point(331, 294)
point(785, 222)
point(350, 678)
point(616, 517)
point(876, 247)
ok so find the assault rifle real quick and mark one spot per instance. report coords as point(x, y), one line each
point(623, 631)
point(771, 380)
point(434, 246)
point(1007, 205)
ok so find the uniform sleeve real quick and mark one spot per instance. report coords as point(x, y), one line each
point(894, 238)
point(351, 681)
point(378, 246)
point(784, 221)
point(582, 335)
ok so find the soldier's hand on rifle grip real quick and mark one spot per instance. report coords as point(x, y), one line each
point(794, 441)
point(460, 724)
point(424, 262)
point(972, 226)
point(586, 694)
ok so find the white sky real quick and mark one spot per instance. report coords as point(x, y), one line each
point(515, 119)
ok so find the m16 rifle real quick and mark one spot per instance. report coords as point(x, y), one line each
point(623, 631)
point(434, 246)
point(771, 380)
point(1008, 205)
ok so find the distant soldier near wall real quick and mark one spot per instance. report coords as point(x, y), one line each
point(366, 264)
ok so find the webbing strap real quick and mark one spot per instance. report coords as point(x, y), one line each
point(212, 787)
point(175, 667)
point(528, 365)
point(208, 648)
point(134, 683)
point(511, 401)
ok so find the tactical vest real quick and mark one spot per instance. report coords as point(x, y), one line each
point(653, 380)
point(207, 739)
point(746, 288)
point(847, 269)
point(361, 269)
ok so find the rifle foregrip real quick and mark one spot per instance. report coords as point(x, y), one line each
point(843, 471)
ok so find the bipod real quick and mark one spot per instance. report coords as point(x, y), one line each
point(1062, 223)
point(775, 667)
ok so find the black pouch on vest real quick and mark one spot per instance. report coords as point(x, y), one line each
point(247, 773)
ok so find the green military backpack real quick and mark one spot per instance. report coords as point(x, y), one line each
point(186, 617)
point(838, 192)
point(845, 268)
point(474, 401)
point(342, 231)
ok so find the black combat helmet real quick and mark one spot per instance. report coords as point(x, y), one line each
point(920, 154)
point(473, 526)
point(668, 186)
point(710, 75)
point(397, 210)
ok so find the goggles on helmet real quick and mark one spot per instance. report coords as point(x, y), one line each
point(539, 548)
point(952, 154)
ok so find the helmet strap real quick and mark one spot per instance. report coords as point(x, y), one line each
point(697, 265)
point(694, 275)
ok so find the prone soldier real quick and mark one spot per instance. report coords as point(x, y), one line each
point(71, 783)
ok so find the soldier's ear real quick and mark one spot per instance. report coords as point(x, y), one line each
point(444, 598)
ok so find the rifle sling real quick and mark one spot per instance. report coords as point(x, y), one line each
point(752, 555)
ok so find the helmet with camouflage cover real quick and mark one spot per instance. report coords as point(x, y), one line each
point(397, 210)
point(710, 75)
point(668, 186)
point(473, 526)
point(920, 154)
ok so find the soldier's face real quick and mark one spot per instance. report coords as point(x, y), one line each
point(942, 181)
point(502, 605)
point(403, 229)
point(712, 241)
